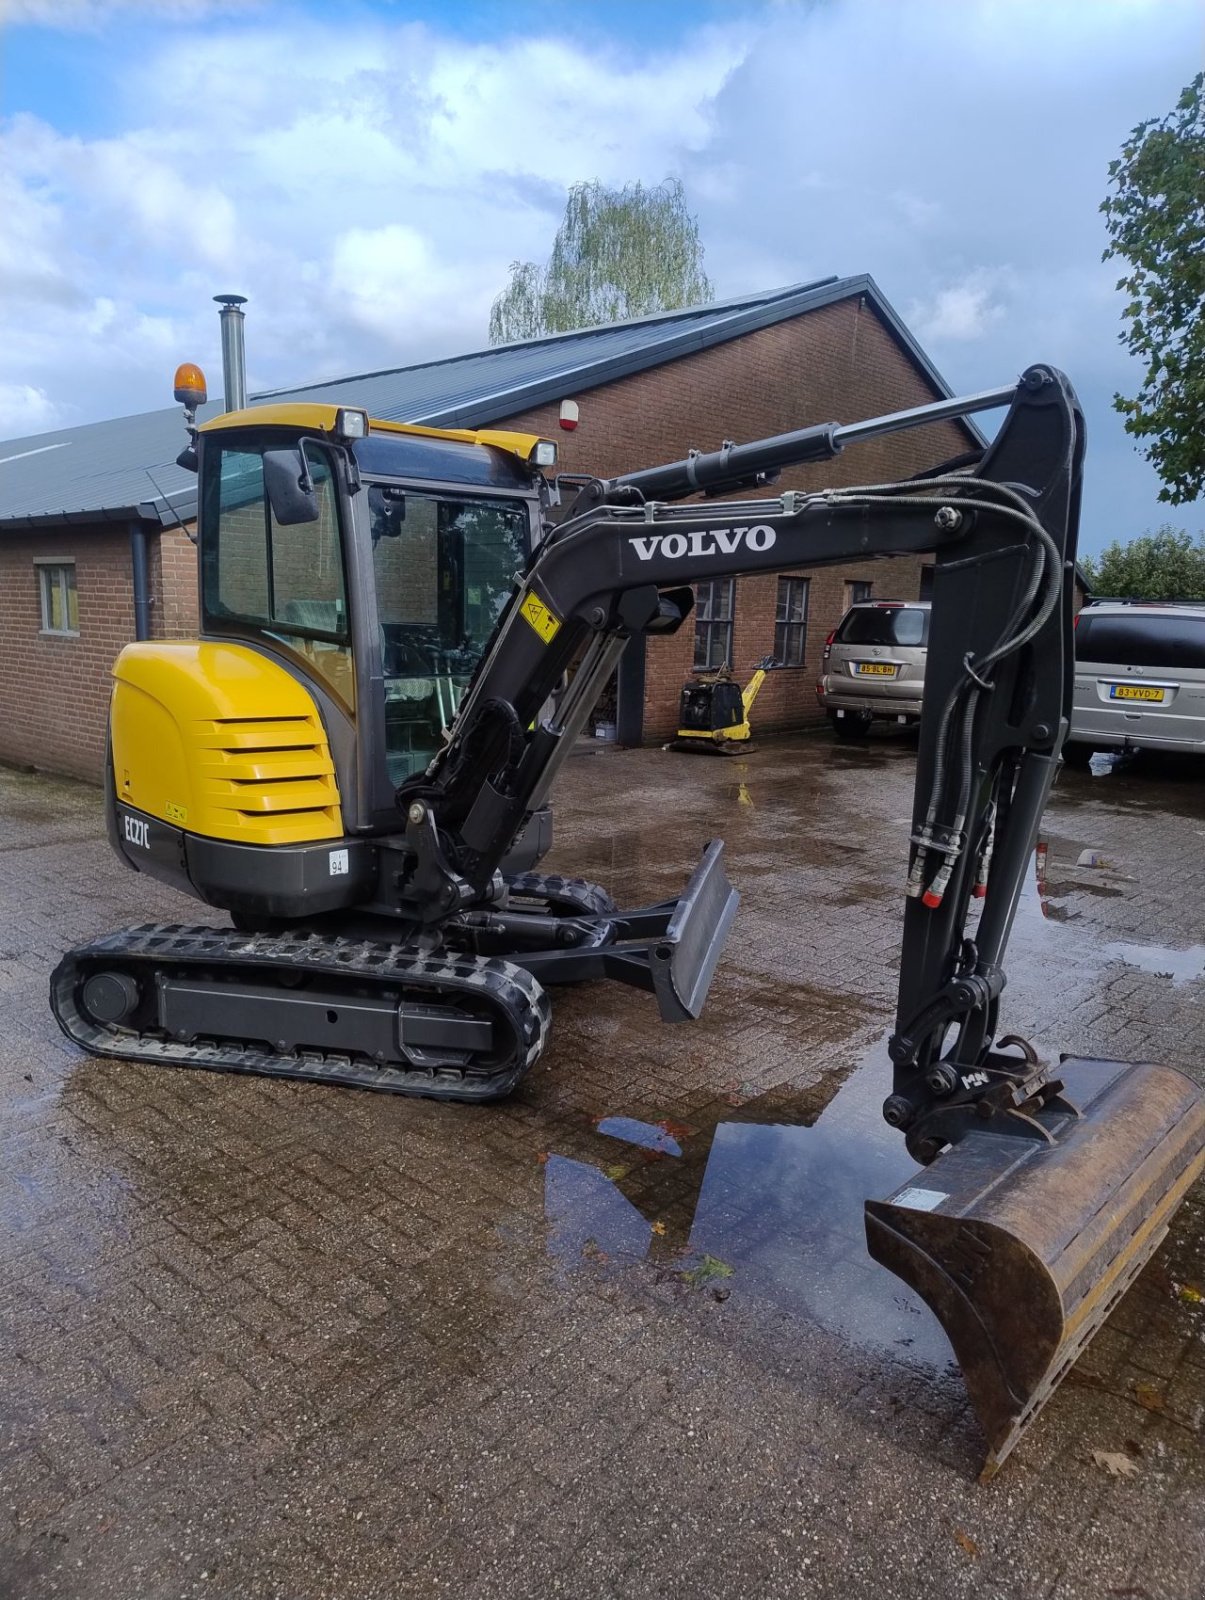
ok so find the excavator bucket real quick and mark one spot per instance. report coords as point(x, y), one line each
point(1022, 1246)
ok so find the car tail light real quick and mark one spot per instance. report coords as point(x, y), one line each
point(828, 646)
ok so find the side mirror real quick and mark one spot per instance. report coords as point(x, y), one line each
point(289, 486)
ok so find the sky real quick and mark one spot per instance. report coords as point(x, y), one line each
point(366, 172)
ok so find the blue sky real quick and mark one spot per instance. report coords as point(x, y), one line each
point(366, 172)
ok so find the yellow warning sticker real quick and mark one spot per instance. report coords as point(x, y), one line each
point(174, 812)
point(541, 619)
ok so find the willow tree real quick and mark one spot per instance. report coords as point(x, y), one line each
point(618, 253)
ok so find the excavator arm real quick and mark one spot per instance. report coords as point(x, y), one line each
point(1045, 1187)
point(998, 688)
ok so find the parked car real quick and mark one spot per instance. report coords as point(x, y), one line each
point(1139, 678)
point(873, 665)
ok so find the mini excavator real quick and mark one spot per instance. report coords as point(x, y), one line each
point(354, 761)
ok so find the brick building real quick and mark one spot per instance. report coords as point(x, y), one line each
point(95, 521)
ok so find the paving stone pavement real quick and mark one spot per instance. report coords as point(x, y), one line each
point(619, 1336)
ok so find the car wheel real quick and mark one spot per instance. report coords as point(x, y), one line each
point(853, 725)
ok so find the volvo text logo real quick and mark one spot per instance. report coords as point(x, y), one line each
point(706, 542)
point(137, 831)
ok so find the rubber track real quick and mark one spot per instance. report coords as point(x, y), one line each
point(565, 896)
point(516, 1000)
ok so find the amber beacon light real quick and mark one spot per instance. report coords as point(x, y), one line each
point(190, 385)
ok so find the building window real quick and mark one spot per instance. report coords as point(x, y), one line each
point(856, 590)
point(791, 622)
point(60, 607)
point(714, 605)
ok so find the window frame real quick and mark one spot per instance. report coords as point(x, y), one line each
point(63, 566)
point(852, 597)
point(257, 442)
point(785, 625)
point(710, 624)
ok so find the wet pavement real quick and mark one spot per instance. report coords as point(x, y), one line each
point(619, 1336)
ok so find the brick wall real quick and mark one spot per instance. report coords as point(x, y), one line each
point(54, 691)
point(838, 364)
point(174, 585)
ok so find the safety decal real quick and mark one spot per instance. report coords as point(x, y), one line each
point(920, 1199)
point(174, 812)
point(541, 619)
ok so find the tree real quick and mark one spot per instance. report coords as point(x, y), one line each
point(618, 253)
point(1156, 221)
point(1168, 564)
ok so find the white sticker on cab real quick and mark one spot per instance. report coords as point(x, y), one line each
point(338, 861)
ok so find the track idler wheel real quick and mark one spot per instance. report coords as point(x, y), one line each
point(110, 997)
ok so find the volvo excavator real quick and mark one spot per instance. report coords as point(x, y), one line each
point(354, 761)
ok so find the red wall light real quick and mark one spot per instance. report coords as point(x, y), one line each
point(568, 415)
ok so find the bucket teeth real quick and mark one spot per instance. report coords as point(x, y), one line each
point(1022, 1248)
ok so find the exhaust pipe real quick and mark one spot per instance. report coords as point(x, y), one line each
point(234, 357)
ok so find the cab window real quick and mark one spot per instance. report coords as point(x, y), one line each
point(444, 571)
point(285, 581)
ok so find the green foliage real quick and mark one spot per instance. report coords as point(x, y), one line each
point(618, 253)
point(1168, 564)
point(1156, 221)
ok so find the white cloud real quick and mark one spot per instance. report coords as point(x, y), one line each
point(90, 16)
point(367, 180)
point(960, 311)
point(25, 409)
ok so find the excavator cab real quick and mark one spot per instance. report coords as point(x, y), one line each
point(351, 574)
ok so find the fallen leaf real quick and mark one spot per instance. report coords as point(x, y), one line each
point(1190, 1294)
point(659, 1228)
point(967, 1543)
point(1148, 1396)
point(617, 1171)
point(542, 1158)
point(707, 1271)
point(1116, 1465)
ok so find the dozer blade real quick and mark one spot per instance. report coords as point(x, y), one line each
point(1022, 1247)
point(684, 959)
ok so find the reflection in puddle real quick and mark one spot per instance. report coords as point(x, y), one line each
point(778, 1204)
point(648, 1135)
point(770, 1199)
point(1037, 906)
point(1181, 966)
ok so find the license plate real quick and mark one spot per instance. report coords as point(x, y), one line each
point(875, 669)
point(1135, 691)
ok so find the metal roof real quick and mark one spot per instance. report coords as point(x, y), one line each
point(125, 469)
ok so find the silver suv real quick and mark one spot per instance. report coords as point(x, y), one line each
point(1139, 678)
point(874, 665)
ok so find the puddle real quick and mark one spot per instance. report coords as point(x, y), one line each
point(772, 1208)
point(770, 1199)
point(1181, 966)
